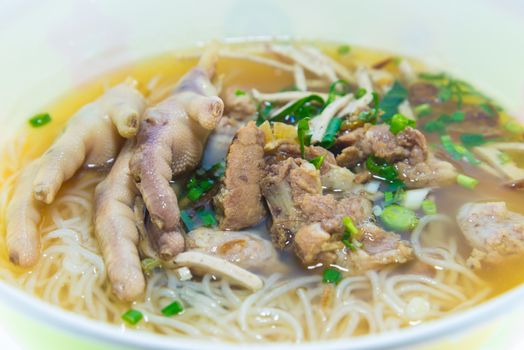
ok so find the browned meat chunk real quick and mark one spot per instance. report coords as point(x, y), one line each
point(238, 103)
point(432, 172)
point(285, 185)
point(494, 232)
point(377, 140)
point(293, 192)
point(239, 202)
point(314, 245)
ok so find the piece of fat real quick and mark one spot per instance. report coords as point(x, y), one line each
point(201, 263)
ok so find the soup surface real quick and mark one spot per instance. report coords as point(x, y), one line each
point(276, 192)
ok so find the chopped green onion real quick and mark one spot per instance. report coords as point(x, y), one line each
point(330, 275)
point(195, 193)
point(303, 135)
point(381, 169)
point(344, 49)
point(503, 158)
point(173, 309)
point(467, 181)
point(350, 225)
point(399, 122)
point(239, 92)
point(149, 264)
point(457, 116)
point(360, 93)
point(207, 217)
point(466, 153)
point(472, 140)
point(445, 93)
point(429, 207)
point(448, 145)
point(436, 126)
point(318, 161)
point(187, 220)
point(391, 197)
point(263, 112)
point(423, 110)
point(392, 99)
point(398, 218)
point(488, 109)
point(331, 132)
point(40, 120)
point(514, 127)
point(280, 117)
point(352, 244)
point(333, 93)
point(132, 316)
point(432, 76)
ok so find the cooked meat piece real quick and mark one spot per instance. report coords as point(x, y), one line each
point(432, 172)
point(314, 245)
point(238, 103)
point(93, 137)
point(363, 177)
point(284, 185)
point(170, 142)
point(239, 202)
point(292, 150)
point(23, 216)
point(293, 192)
point(116, 230)
point(330, 212)
point(377, 140)
point(245, 249)
point(494, 232)
point(421, 92)
point(338, 178)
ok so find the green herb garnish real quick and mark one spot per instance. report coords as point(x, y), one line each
point(429, 207)
point(467, 181)
point(360, 93)
point(239, 92)
point(304, 138)
point(207, 217)
point(299, 105)
point(331, 133)
point(132, 316)
point(333, 92)
point(399, 122)
point(173, 309)
point(393, 98)
point(149, 264)
point(318, 161)
point(398, 218)
point(472, 140)
point(344, 49)
point(423, 110)
point(330, 275)
point(40, 120)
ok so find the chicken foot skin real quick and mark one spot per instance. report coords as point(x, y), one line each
point(170, 142)
point(116, 230)
point(93, 136)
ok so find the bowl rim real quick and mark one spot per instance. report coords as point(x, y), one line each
point(58, 318)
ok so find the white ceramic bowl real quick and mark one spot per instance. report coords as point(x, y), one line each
point(47, 47)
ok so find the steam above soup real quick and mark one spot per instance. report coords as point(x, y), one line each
point(268, 191)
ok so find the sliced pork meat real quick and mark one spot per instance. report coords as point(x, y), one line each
point(239, 202)
point(432, 172)
point(245, 249)
point(377, 140)
point(494, 232)
point(314, 245)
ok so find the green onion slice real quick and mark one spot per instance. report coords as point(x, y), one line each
point(173, 309)
point(132, 316)
point(40, 120)
point(331, 275)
